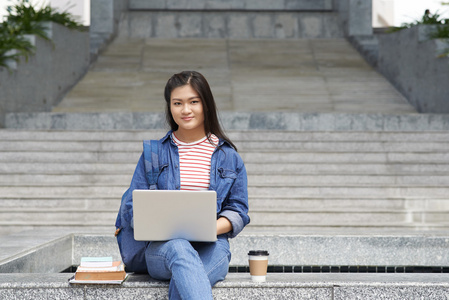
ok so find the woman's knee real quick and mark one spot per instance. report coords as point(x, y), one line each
point(172, 250)
point(220, 270)
point(160, 256)
point(219, 265)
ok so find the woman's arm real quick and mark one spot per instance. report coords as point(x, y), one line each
point(223, 226)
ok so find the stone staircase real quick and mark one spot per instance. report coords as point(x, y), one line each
point(350, 202)
point(297, 180)
point(342, 173)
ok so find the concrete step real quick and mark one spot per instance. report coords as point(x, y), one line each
point(390, 219)
point(347, 168)
point(252, 168)
point(331, 217)
point(354, 157)
point(361, 204)
point(350, 192)
point(249, 157)
point(347, 180)
point(262, 191)
point(58, 203)
point(219, 5)
point(296, 179)
point(269, 145)
point(80, 168)
point(277, 121)
point(272, 180)
point(238, 136)
point(256, 204)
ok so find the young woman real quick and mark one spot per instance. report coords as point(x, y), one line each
point(196, 155)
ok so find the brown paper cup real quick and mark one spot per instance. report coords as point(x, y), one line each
point(258, 265)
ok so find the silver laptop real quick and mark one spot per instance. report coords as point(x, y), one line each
point(162, 215)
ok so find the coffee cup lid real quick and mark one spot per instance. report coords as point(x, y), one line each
point(258, 253)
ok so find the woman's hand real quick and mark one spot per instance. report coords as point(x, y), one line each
point(223, 226)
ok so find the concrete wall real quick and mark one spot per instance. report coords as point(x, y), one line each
point(259, 5)
point(409, 59)
point(230, 24)
point(247, 18)
point(356, 16)
point(236, 18)
point(41, 82)
point(104, 21)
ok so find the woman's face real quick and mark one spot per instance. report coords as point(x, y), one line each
point(187, 110)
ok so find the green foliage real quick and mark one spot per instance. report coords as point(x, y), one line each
point(427, 19)
point(29, 19)
point(9, 40)
point(23, 18)
point(442, 32)
point(442, 26)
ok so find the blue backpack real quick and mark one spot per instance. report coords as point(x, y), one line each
point(132, 251)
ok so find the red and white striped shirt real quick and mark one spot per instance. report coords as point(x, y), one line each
point(194, 162)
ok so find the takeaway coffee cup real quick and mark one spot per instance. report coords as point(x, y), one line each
point(258, 265)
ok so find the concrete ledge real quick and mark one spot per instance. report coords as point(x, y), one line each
point(234, 121)
point(238, 286)
point(259, 5)
point(41, 282)
point(42, 81)
point(48, 251)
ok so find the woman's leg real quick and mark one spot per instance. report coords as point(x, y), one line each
point(177, 261)
point(215, 257)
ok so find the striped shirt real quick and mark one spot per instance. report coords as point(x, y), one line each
point(194, 162)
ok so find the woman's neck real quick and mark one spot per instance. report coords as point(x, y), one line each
point(190, 136)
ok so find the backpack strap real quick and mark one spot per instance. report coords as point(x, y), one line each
point(151, 155)
point(151, 161)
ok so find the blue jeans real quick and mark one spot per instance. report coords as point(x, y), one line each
point(192, 267)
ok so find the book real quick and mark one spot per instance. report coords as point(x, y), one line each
point(96, 261)
point(114, 272)
point(72, 280)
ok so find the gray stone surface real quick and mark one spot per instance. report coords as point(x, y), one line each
point(234, 25)
point(296, 179)
point(105, 16)
point(259, 5)
point(35, 254)
point(368, 46)
point(356, 16)
point(50, 251)
point(234, 121)
point(410, 61)
point(343, 250)
point(391, 292)
point(43, 283)
point(238, 286)
point(301, 75)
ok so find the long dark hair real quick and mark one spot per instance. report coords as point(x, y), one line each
point(197, 81)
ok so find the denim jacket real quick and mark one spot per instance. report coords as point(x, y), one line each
point(227, 178)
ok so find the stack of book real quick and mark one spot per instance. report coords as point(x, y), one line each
point(99, 270)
